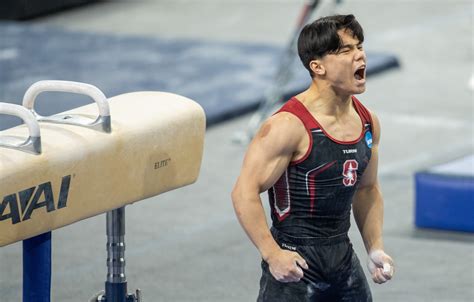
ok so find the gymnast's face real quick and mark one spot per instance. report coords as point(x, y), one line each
point(344, 71)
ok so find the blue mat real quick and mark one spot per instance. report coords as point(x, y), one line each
point(445, 196)
point(227, 79)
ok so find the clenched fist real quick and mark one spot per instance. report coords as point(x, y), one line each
point(381, 266)
point(286, 266)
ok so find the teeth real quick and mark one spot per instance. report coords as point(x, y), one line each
point(358, 77)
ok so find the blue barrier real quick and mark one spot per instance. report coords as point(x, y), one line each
point(445, 197)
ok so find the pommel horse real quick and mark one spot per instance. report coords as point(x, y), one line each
point(60, 169)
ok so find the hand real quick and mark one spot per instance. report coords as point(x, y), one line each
point(286, 266)
point(381, 266)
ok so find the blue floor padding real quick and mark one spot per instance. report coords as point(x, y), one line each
point(445, 196)
point(227, 79)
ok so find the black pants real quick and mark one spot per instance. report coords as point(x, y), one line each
point(334, 273)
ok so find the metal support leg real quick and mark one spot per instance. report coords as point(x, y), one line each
point(116, 284)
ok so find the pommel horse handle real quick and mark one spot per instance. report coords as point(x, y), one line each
point(33, 143)
point(101, 123)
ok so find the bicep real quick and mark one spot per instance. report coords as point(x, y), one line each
point(370, 176)
point(268, 156)
point(368, 193)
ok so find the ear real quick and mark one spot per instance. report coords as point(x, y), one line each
point(317, 68)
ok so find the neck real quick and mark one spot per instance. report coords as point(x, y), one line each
point(325, 100)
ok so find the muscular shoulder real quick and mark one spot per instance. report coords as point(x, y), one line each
point(282, 131)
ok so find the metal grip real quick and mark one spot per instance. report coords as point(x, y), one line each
point(101, 123)
point(33, 143)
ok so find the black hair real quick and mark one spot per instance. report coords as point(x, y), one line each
point(320, 38)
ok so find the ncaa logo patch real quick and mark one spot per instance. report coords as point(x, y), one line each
point(368, 139)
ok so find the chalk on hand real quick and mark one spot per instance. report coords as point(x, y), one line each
point(386, 268)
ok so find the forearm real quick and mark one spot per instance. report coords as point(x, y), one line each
point(368, 214)
point(251, 216)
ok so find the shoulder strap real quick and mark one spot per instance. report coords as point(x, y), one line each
point(296, 108)
point(363, 111)
point(299, 110)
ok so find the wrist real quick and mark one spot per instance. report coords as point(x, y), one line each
point(374, 246)
point(375, 250)
point(268, 252)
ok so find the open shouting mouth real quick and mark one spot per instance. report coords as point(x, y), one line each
point(359, 74)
